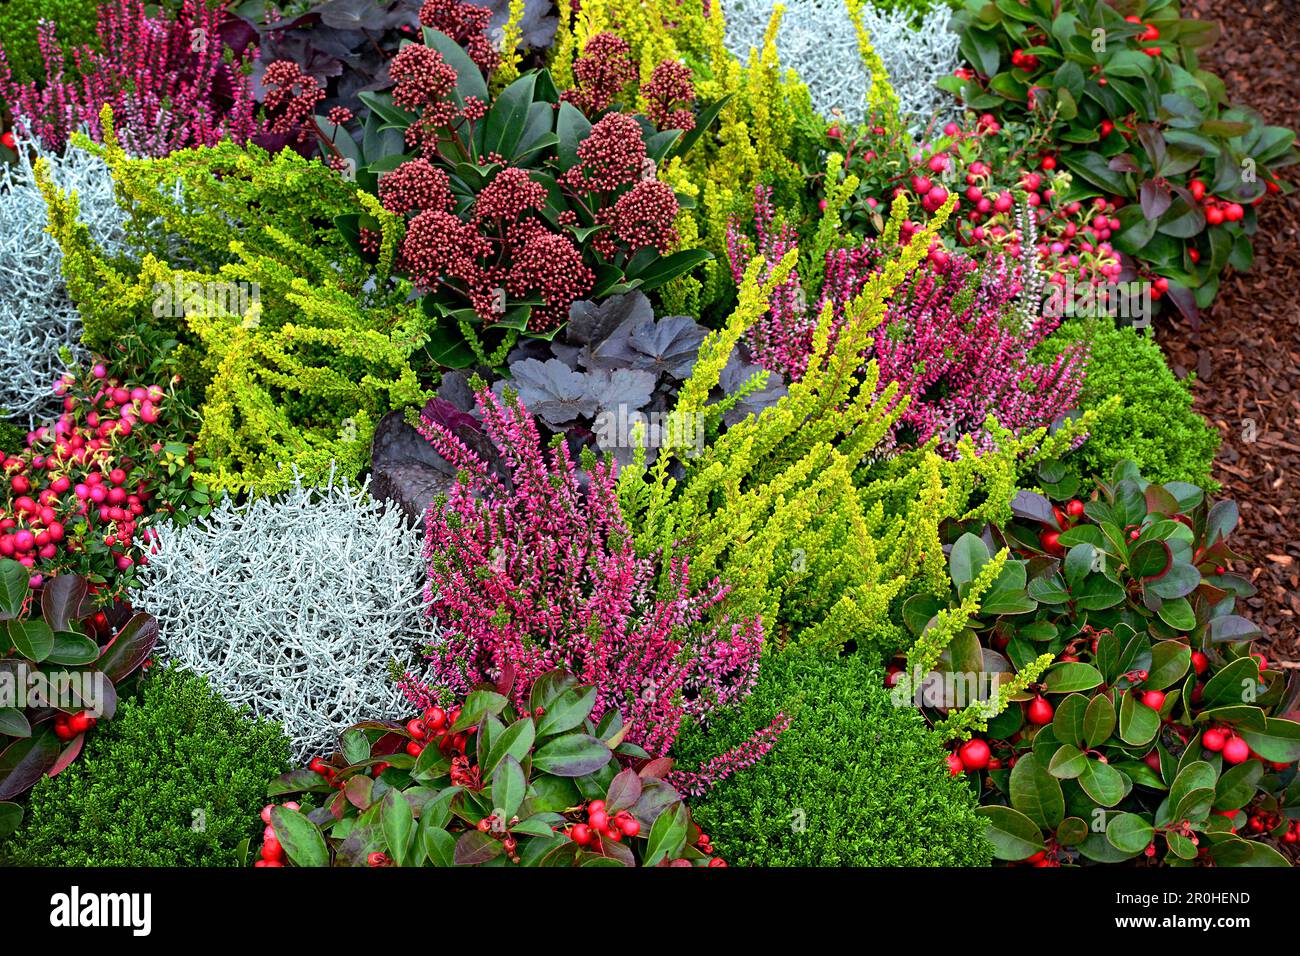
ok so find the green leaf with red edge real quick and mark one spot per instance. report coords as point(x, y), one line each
point(297, 781)
point(302, 841)
point(14, 723)
point(14, 588)
point(1151, 559)
point(509, 787)
point(478, 704)
point(573, 755)
point(33, 639)
point(130, 647)
point(668, 835)
point(1014, 836)
point(398, 822)
point(1279, 741)
point(567, 711)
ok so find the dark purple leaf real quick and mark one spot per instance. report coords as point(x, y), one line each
point(627, 388)
point(624, 791)
point(129, 648)
point(1033, 506)
point(734, 375)
point(669, 346)
point(551, 390)
point(1155, 199)
point(591, 323)
point(24, 761)
point(63, 600)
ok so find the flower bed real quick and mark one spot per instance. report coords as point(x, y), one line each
point(629, 434)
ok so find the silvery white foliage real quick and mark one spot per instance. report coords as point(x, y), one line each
point(816, 39)
point(37, 319)
point(294, 605)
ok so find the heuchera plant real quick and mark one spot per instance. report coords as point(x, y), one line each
point(488, 783)
point(514, 206)
point(528, 573)
point(1156, 734)
point(171, 82)
point(1140, 122)
point(81, 495)
point(60, 661)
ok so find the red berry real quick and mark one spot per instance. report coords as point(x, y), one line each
point(581, 834)
point(955, 766)
point(416, 729)
point(1039, 711)
point(81, 722)
point(1200, 663)
point(1214, 215)
point(974, 754)
point(435, 717)
point(1155, 699)
point(1214, 741)
point(630, 826)
point(1236, 750)
point(1050, 540)
point(319, 766)
point(717, 861)
point(1075, 508)
point(598, 819)
point(271, 850)
point(376, 859)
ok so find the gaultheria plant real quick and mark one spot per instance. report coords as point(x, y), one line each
point(952, 336)
point(167, 79)
point(533, 573)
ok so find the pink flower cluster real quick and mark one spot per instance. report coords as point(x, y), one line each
point(538, 574)
point(166, 80)
point(951, 336)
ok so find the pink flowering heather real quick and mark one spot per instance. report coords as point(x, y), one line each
point(951, 337)
point(540, 574)
point(166, 80)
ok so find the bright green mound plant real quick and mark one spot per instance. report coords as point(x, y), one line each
point(1155, 426)
point(18, 25)
point(289, 350)
point(853, 781)
point(177, 779)
point(787, 506)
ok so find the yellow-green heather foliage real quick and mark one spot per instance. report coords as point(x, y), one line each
point(290, 358)
point(754, 138)
point(882, 101)
point(785, 507)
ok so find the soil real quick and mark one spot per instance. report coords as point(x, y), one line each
point(1246, 353)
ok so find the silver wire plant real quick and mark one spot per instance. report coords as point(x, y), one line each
point(40, 328)
point(303, 606)
point(817, 40)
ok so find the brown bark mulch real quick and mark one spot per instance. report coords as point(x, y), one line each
point(1246, 355)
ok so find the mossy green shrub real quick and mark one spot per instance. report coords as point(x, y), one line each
point(75, 27)
point(177, 779)
point(1155, 426)
point(853, 781)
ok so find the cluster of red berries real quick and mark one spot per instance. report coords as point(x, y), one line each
point(434, 727)
point(272, 853)
point(79, 495)
point(1149, 34)
point(68, 726)
point(601, 826)
point(1217, 211)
